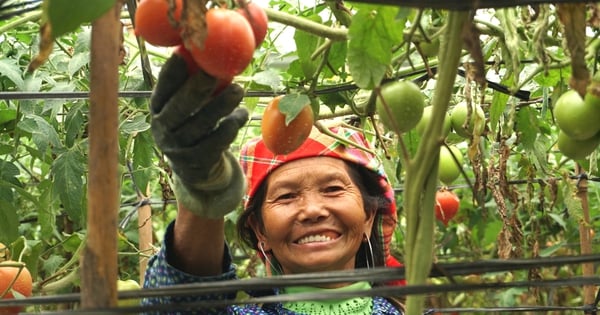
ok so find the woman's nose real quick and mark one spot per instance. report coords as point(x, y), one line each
point(313, 208)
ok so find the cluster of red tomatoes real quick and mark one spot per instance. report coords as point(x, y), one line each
point(230, 40)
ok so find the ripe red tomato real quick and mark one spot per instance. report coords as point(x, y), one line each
point(279, 137)
point(446, 207)
point(153, 25)
point(229, 44)
point(193, 68)
point(257, 17)
point(21, 281)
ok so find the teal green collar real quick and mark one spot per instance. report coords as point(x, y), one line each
point(357, 305)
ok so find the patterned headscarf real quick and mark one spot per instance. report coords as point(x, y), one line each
point(258, 162)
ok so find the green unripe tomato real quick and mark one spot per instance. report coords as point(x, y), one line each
point(426, 119)
point(449, 171)
point(459, 116)
point(405, 104)
point(575, 117)
point(127, 285)
point(577, 149)
point(431, 48)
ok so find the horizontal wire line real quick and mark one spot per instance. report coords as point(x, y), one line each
point(375, 291)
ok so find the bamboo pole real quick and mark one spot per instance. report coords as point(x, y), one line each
point(145, 235)
point(585, 241)
point(99, 258)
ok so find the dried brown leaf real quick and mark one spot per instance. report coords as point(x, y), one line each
point(193, 23)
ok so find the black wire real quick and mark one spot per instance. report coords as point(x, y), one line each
point(375, 275)
point(375, 291)
point(8, 10)
point(521, 94)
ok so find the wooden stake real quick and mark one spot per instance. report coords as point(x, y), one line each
point(585, 241)
point(145, 236)
point(99, 261)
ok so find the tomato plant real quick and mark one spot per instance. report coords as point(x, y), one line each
point(152, 22)
point(447, 204)
point(281, 137)
point(45, 156)
point(229, 44)
point(257, 17)
point(400, 105)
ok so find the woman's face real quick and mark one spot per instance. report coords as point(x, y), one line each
point(313, 216)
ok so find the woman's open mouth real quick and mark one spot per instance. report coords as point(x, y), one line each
point(317, 238)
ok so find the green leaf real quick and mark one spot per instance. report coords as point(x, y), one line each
point(548, 251)
point(340, 98)
point(47, 213)
point(42, 132)
point(142, 159)
point(572, 201)
point(10, 69)
point(9, 172)
point(74, 124)
point(336, 60)
point(499, 102)
point(136, 124)
point(373, 33)
point(77, 62)
point(52, 264)
point(291, 105)
point(7, 114)
point(528, 127)
point(558, 219)
point(9, 222)
point(552, 77)
point(268, 78)
point(68, 170)
point(67, 15)
point(491, 232)
point(306, 44)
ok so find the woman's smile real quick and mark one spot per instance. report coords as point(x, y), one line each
point(317, 238)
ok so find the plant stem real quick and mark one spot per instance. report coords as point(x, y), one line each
point(335, 34)
point(421, 173)
point(31, 16)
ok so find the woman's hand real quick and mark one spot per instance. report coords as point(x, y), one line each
point(194, 129)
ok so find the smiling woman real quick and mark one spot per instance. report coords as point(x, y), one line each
point(314, 185)
point(326, 206)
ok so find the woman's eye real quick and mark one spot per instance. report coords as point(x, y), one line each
point(333, 188)
point(286, 196)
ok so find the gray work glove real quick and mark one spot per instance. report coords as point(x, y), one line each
point(194, 129)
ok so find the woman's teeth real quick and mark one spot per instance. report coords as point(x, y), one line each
point(314, 239)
